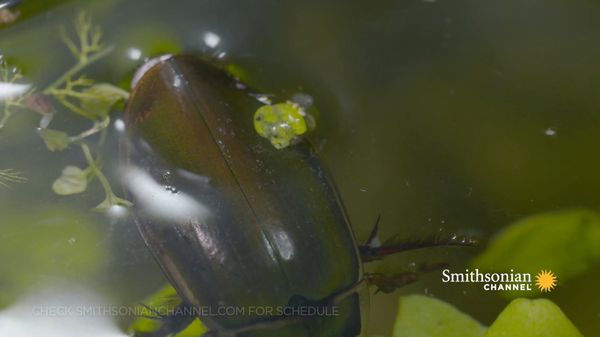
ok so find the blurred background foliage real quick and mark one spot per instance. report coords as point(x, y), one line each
point(462, 116)
point(46, 245)
point(521, 317)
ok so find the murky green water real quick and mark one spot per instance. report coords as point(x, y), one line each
point(459, 116)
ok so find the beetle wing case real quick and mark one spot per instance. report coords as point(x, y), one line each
point(232, 221)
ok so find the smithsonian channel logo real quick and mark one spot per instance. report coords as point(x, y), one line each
point(545, 280)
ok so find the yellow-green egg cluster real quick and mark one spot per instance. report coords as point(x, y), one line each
point(280, 123)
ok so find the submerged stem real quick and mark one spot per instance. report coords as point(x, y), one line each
point(111, 199)
point(79, 66)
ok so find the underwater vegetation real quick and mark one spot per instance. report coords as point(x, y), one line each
point(9, 176)
point(564, 242)
point(79, 95)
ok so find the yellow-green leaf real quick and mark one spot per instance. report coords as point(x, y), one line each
point(423, 316)
point(100, 98)
point(73, 180)
point(55, 140)
point(163, 301)
point(565, 242)
point(532, 318)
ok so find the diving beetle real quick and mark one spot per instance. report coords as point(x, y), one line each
point(231, 220)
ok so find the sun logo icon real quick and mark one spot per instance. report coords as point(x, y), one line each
point(545, 280)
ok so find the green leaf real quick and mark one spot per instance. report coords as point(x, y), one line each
point(55, 140)
point(73, 180)
point(565, 242)
point(532, 318)
point(423, 316)
point(100, 98)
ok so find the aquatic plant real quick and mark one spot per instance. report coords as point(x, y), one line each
point(93, 100)
point(9, 176)
point(14, 94)
point(521, 317)
point(79, 95)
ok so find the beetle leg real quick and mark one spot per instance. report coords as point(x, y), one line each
point(375, 250)
point(373, 240)
point(388, 283)
point(353, 289)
